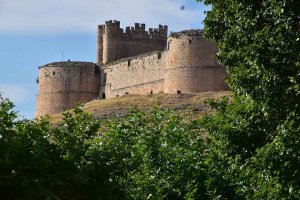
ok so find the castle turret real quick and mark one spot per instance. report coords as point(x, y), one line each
point(99, 54)
point(62, 85)
point(190, 67)
point(111, 38)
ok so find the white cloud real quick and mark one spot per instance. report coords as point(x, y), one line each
point(14, 93)
point(56, 16)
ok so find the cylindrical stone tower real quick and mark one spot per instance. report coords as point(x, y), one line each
point(111, 36)
point(99, 46)
point(190, 67)
point(61, 85)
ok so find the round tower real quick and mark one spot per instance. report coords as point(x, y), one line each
point(111, 35)
point(190, 67)
point(99, 45)
point(61, 85)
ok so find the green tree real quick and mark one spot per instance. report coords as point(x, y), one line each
point(40, 161)
point(24, 155)
point(155, 156)
point(254, 137)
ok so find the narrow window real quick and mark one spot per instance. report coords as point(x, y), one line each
point(190, 41)
point(159, 55)
point(104, 79)
point(178, 92)
point(128, 62)
point(97, 70)
point(53, 73)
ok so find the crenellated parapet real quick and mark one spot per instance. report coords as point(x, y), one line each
point(114, 43)
point(113, 23)
point(139, 31)
point(136, 31)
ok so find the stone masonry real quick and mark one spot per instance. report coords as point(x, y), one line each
point(133, 61)
point(64, 84)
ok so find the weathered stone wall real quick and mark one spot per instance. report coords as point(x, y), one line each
point(186, 66)
point(135, 75)
point(64, 84)
point(133, 47)
point(114, 43)
point(190, 67)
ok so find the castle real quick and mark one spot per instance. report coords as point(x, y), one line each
point(132, 61)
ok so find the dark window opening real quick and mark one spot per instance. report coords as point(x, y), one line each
point(103, 95)
point(151, 92)
point(97, 70)
point(53, 73)
point(178, 92)
point(126, 92)
point(159, 55)
point(190, 41)
point(128, 62)
point(104, 78)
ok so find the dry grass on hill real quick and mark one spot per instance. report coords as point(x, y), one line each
point(119, 107)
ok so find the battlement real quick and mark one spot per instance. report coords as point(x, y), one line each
point(114, 23)
point(101, 27)
point(140, 30)
point(136, 31)
point(114, 43)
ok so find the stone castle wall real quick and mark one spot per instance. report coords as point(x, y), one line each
point(135, 75)
point(132, 62)
point(64, 84)
point(186, 66)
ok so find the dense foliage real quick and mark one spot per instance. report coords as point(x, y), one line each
point(143, 156)
point(254, 137)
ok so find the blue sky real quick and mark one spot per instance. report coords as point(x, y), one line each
point(34, 33)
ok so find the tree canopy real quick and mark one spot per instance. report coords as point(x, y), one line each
point(254, 137)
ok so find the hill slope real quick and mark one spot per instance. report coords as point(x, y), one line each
point(119, 107)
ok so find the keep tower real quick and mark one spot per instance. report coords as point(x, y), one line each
point(114, 43)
